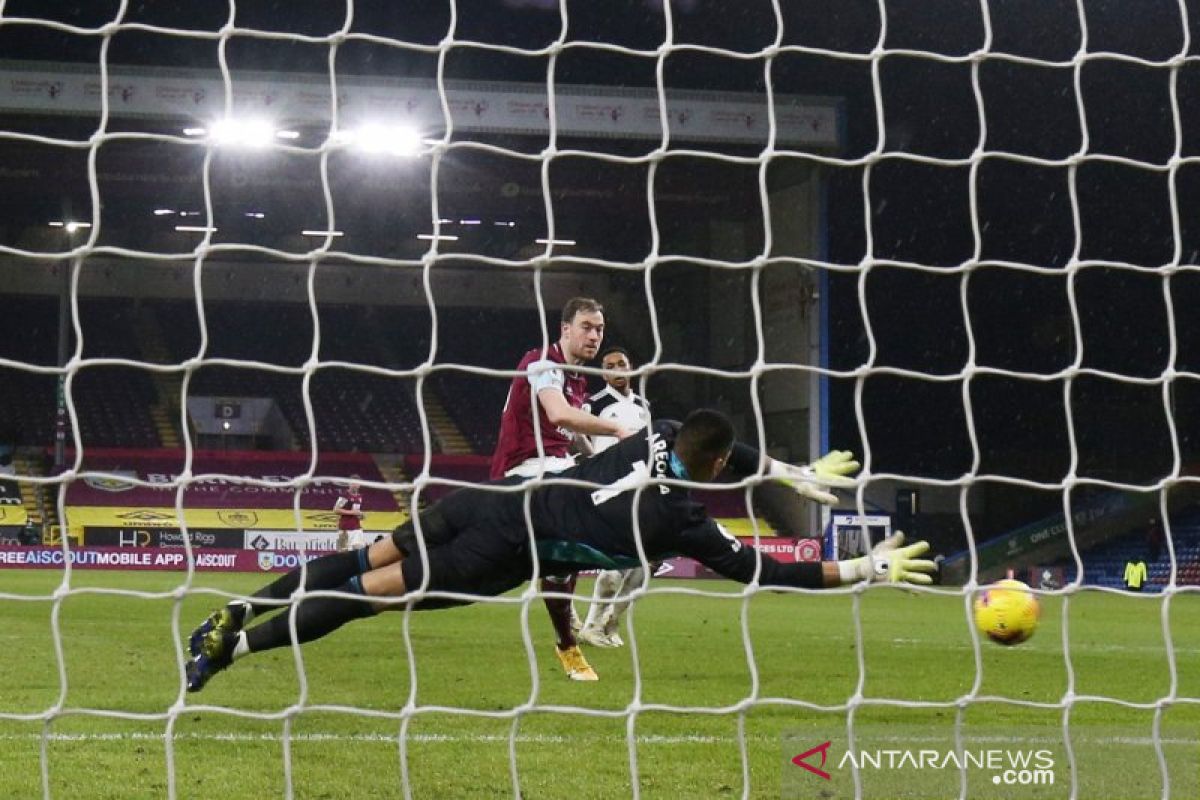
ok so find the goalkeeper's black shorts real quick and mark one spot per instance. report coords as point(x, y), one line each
point(473, 550)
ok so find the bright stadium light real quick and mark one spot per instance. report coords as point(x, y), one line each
point(429, 237)
point(242, 132)
point(195, 131)
point(321, 233)
point(69, 225)
point(256, 215)
point(162, 212)
point(563, 242)
point(195, 229)
point(287, 134)
point(393, 140)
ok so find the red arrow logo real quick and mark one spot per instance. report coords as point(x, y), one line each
point(800, 762)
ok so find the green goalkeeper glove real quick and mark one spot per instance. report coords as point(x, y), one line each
point(890, 562)
point(813, 480)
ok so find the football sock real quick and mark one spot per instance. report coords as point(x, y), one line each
point(242, 647)
point(326, 572)
point(606, 588)
point(560, 611)
point(315, 617)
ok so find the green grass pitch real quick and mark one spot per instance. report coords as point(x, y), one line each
point(119, 656)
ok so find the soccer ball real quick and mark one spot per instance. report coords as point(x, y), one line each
point(1007, 612)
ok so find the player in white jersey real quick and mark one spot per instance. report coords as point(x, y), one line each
point(617, 402)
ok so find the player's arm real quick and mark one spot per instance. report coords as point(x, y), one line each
point(889, 562)
point(341, 510)
point(709, 544)
point(583, 446)
point(564, 415)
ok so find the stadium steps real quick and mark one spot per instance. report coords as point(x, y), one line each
point(161, 418)
point(392, 471)
point(450, 439)
point(165, 410)
point(381, 342)
point(33, 496)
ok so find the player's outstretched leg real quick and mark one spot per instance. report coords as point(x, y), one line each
point(361, 574)
point(326, 572)
point(315, 617)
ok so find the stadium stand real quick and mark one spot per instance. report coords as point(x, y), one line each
point(474, 404)
point(470, 469)
point(112, 403)
point(1105, 565)
point(353, 410)
point(29, 329)
point(28, 402)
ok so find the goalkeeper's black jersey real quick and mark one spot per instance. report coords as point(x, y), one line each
point(670, 522)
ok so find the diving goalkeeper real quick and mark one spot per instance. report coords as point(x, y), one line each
point(474, 543)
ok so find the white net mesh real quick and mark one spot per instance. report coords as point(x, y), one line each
point(931, 323)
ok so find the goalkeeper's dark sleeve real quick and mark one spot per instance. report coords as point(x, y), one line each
point(779, 505)
point(743, 460)
point(727, 556)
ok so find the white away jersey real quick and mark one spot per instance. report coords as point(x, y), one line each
point(631, 412)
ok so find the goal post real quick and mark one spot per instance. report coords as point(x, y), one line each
point(939, 237)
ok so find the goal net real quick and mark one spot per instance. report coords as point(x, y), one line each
point(255, 254)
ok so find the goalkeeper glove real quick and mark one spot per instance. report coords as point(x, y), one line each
point(813, 480)
point(890, 562)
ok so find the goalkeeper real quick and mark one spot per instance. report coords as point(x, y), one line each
point(474, 543)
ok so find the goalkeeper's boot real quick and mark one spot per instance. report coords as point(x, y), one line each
point(225, 618)
point(216, 653)
point(596, 636)
point(575, 665)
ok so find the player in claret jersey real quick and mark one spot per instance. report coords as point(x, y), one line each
point(476, 543)
point(348, 508)
point(548, 395)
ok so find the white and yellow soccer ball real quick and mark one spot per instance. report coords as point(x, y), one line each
point(1007, 612)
